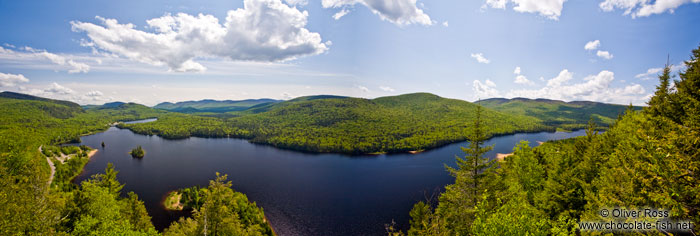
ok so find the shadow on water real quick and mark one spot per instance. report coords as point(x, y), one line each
point(301, 193)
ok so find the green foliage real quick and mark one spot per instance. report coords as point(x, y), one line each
point(137, 152)
point(224, 212)
point(100, 211)
point(192, 197)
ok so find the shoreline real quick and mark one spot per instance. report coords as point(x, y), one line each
point(442, 144)
point(502, 156)
point(92, 153)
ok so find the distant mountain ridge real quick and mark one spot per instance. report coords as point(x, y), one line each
point(210, 105)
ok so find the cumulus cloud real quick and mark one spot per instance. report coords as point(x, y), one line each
point(10, 80)
point(549, 8)
point(480, 58)
point(386, 89)
point(37, 54)
point(445, 23)
point(521, 79)
point(399, 12)
point(593, 88)
point(643, 8)
point(487, 89)
point(57, 89)
point(592, 45)
point(604, 54)
point(261, 31)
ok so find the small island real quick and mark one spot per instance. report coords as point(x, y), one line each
point(185, 199)
point(138, 152)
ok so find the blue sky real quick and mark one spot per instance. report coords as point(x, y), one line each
point(86, 51)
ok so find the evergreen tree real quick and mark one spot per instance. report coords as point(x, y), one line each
point(457, 205)
point(688, 92)
point(472, 168)
point(659, 103)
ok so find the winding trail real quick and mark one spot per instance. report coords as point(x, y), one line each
point(53, 168)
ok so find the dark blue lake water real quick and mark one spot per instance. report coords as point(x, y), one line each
point(301, 193)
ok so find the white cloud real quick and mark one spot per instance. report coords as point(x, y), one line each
point(445, 23)
point(57, 89)
point(521, 79)
point(649, 74)
point(93, 96)
point(340, 14)
point(263, 31)
point(547, 8)
point(10, 80)
point(287, 96)
point(297, 2)
point(563, 77)
point(363, 88)
point(499, 4)
point(485, 90)
point(593, 88)
point(94, 93)
point(592, 45)
point(399, 12)
point(652, 73)
point(643, 8)
point(604, 54)
point(386, 89)
point(480, 58)
point(36, 54)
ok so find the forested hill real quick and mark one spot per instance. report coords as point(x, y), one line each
point(209, 105)
point(347, 125)
point(567, 115)
point(401, 123)
point(21, 96)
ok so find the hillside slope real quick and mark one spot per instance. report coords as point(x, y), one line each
point(567, 115)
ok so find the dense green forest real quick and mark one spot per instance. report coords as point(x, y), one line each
point(35, 202)
point(647, 159)
point(354, 125)
point(560, 114)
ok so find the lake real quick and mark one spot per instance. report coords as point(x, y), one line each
point(301, 193)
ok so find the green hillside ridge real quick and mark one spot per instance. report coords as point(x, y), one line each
point(326, 123)
point(560, 114)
